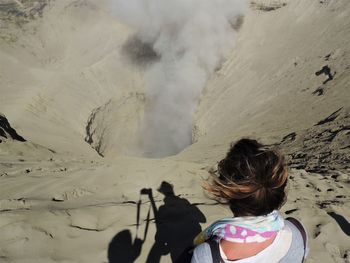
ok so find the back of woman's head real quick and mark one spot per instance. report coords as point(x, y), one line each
point(251, 178)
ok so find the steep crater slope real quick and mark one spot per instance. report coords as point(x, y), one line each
point(65, 60)
point(282, 78)
point(79, 66)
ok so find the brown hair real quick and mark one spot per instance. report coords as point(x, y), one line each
point(251, 179)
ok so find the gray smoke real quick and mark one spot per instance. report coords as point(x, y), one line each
point(192, 38)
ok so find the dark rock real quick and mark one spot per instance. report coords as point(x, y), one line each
point(326, 71)
point(291, 211)
point(7, 132)
point(331, 117)
point(289, 137)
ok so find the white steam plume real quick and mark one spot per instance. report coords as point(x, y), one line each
point(192, 38)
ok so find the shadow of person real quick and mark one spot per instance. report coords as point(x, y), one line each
point(177, 223)
point(122, 250)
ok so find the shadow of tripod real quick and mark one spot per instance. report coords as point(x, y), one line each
point(122, 249)
point(177, 222)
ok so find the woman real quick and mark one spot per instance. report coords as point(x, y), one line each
point(252, 180)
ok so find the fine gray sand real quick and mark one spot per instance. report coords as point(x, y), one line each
point(72, 96)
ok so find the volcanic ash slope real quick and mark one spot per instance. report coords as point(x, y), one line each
point(73, 90)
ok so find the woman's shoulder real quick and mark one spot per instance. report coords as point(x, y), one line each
point(290, 238)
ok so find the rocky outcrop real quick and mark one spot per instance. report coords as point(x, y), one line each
point(7, 132)
point(323, 147)
point(267, 7)
point(23, 9)
point(93, 137)
point(112, 128)
point(17, 13)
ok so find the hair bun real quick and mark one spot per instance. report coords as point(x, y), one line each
point(251, 177)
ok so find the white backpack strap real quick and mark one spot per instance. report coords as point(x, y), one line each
point(286, 235)
point(303, 233)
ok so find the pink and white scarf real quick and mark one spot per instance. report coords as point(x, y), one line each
point(247, 229)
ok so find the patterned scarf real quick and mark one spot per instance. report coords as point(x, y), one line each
point(246, 229)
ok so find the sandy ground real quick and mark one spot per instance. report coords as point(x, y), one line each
point(67, 77)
